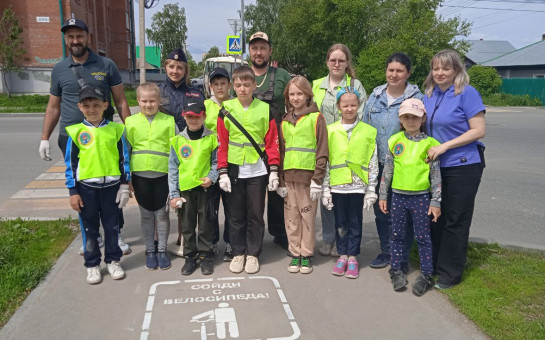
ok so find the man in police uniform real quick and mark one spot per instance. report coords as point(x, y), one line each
point(271, 82)
point(82, 68)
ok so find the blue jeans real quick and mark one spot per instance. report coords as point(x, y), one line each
point(348, 209)
point(328, 225)
point(384, 224)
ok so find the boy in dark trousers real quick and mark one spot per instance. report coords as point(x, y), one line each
point(191, 171)
point(97, 176)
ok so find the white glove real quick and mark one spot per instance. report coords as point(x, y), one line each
point(45, 150)
point(315, 191)
point(282, 191)
point(369, 199)
point(180, 202)
point(273, 181)
point(225, 183)
point(327, 199)
point(122, 195)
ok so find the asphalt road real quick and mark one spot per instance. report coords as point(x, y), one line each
point(509, 207)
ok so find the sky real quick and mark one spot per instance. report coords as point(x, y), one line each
point(521, 22)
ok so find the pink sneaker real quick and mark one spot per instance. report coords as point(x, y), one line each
point(340, 266)
point(353, 270)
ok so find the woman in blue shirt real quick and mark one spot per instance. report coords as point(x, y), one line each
point(456, 119)
point(381, 112)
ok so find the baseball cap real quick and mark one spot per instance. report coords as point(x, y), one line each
point(194, 106)
point(74, 23)
point(178, 55)
point(91, 92)
point(219, 72)
point(259, 35)
point(412, 106)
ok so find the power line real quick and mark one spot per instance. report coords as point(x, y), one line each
point(499, 9)
point(541, 2)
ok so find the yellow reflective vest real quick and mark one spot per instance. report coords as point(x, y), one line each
point(319, 93)
point(194, 157)
point(411, 172)
point(346, 156)
point(150, 142)
point(98, 153)
point(212, 111)
point(300, 152)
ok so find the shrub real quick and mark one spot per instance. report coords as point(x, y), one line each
point(505, 99)
point(485, 79)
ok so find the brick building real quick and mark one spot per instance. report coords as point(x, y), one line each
point(111, 34)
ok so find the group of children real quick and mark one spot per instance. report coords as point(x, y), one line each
point(231, 148)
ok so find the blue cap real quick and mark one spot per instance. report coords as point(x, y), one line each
point(74, 23)
point(178, 55)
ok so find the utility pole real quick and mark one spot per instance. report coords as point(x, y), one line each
point(242, 34)
point(142, 25)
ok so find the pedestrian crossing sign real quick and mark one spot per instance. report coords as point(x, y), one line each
point(234, 44)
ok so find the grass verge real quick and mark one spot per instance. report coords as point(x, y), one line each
point(505, 99)
point(502, 292)
point(28, 250)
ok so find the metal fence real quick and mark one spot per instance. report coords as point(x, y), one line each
point(521, 86)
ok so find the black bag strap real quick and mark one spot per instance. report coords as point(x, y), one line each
point(224, 113)
point(79, 78)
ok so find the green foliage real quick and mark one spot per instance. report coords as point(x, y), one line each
point(28, 250)
point(168, 29)
point(485, 79)
point(24, 103)
point(505, 99)
point(302, 31)
point(11, 42)
point(213, 52)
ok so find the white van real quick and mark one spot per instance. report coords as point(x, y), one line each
point(228, 63)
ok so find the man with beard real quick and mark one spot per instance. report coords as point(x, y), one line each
point(271, 82)
point(82, 68)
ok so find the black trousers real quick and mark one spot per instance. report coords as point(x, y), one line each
point(450, 235)
point(196, 228)
point(213, 206)
point(151, 193)
point(275, 215)
point(246, 204)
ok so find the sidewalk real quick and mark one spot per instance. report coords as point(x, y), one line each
point(272, 304)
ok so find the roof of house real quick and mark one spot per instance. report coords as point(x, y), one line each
point(483, 50)
point(153, 55)
point(530, 55)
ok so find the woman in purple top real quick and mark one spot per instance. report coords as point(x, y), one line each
point(456, 119)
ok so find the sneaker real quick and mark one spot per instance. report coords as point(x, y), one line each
point(215, 249)
point(164, 261)
point(100, 241)
point(382, 260)
point(353, 269)
point(237, 264)
point(422, 284)
point(334, 251)
point(325, 249)
point(191, 263)
point(295, 264)
point(116, 271)
point(207, 265)
point(340, 267)
point(123, 245)
point(93, 275)
point(443, 286)
point(252, 264)
point(399, 280)
point(306, 265)
point(228, 255)
point(151, 261)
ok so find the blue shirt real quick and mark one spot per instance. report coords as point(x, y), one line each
point(174, 98)
point(448, 118)
point(96, 70)
point(384, 117)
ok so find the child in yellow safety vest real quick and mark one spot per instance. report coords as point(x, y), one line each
point(192, 169)
point(412, 176)
point(149, 133)
point(304, 154)
point(350, 180)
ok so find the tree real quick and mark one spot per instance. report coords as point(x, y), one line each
point(11, 43)
point(485, 79)
point(302, 31)
point(213, 52)
point(168, 29)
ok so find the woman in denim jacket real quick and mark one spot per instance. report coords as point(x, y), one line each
point(381, 112)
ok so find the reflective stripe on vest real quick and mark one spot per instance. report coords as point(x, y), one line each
point(346, 156)
point(411, 172)
point(150, 142)
point(300, 152)
point(319, 93)
point(98, 153)
point(212, 111)
point(194, 157)
point(255, 120)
